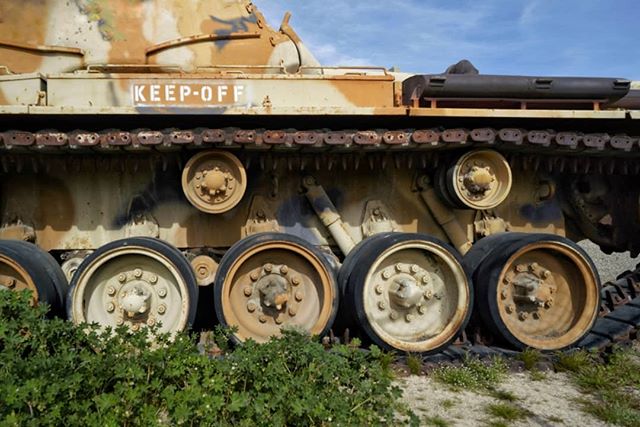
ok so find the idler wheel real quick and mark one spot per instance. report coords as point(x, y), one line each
point(24, 266)
point(409, 292)
point(480, 179)
point(134, 282)
point(271, 280)
point(214, 181)
point(536, 290)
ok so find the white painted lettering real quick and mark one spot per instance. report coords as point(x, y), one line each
point(207, 93)
point(170, 93)
point(138, 93)
point(238, 91)
point(184, 92)
point(155, 93)
point(222, 92)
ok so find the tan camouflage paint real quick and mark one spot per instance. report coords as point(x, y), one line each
point(121, 32)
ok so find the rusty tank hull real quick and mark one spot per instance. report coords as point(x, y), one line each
point(172, 159)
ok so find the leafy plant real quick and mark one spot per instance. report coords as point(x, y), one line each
point(54, 373)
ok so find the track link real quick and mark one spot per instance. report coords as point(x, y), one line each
point(597, 144)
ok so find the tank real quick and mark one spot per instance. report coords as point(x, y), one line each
point(182, 163)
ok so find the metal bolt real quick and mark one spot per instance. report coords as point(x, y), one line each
point(284, 269)
point(122, 278)
point(138, 273)
point(521, 268)
point(278, 321)
point(408, 318)
point(120, 321)
point(251, 307)
point(299, 296)
point(427, 294)
point(151, 321)
point(162, 292)
point(549, 303)
point(162, 309)
point(248, 291)
point(198, 175)
point(533, 266)
point(135, 327)
point(254, 276)
point(546, 274)
point(393, 315)
point(414, 268)
point(153, 279)
point(422, 309)
point(382, 305)
point(111, 307)
point(523, 315)
point(379, 289)
point(503, 294)
point(438, 296)
point(11, 283)
point(111, 290)
point(268, 268)
point(292, 311)
point(262, 318)
point(295, 280)
point(386, 274)
point(425, 279)
point(510, 308)
point(535, 315)
point(398, 267)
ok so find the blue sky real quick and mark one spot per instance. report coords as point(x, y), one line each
point(538, 37)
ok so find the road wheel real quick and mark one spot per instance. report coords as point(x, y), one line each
point(539, 291)
point(134, 282)
point(270, 280)
point(410, 292)
point(25, 266)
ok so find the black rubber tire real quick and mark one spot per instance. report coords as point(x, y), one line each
point(369, 253)
point(247, 243)
point(43, 269)
point(485, 246)
point(176, 257)
point(346, 316)
point(487, 275)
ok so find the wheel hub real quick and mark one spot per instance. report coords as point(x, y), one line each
point(531, 287)
point(478, 180)
point(134, 296)
point(273, 293)
point(408, 289)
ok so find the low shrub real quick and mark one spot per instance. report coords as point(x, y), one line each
point(54, 373)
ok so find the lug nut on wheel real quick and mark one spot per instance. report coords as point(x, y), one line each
point(111, 291)
point(111, 307)
point(162, 309)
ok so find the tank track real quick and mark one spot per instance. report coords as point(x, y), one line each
point(542, 141)
point(548, 150)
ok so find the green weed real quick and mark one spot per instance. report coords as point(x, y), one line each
point(473, 374)
point(436, 422)
point(414, 363)
point(506, 411)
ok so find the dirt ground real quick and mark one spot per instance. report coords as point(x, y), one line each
point(549, 401)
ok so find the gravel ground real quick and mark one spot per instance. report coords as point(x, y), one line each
point(550, 401)
point(609, 266)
